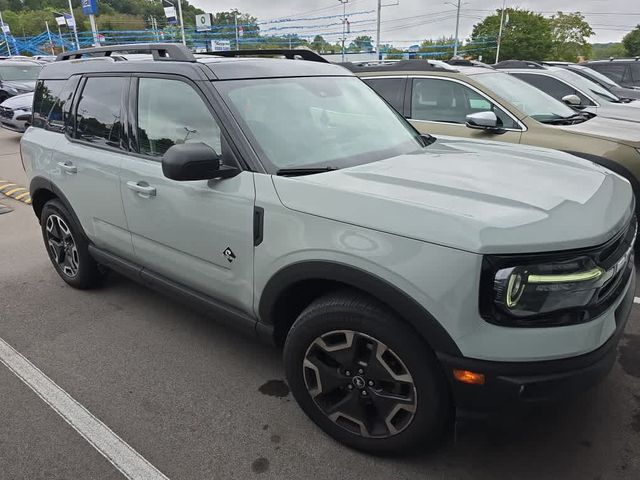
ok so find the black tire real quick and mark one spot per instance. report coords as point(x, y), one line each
point(87, 274)
point(356, 312)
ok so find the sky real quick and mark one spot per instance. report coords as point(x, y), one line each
point(411, 21)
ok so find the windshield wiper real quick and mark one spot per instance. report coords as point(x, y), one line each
point(296, 172)
point(570, 120)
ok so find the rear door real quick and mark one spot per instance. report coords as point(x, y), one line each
point(440, 105)
point(198, 234)
point(86, 162)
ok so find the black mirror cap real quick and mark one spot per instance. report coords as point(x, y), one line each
point(194, 161)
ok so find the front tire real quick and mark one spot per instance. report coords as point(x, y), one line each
point(68, 248)
point(364, 376)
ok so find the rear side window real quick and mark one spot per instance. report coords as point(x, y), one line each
point(552, 86)
point(391, 89)
point(46, 96)
point(98, 115)
point(634, 74)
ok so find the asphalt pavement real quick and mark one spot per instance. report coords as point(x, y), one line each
point(199, 401)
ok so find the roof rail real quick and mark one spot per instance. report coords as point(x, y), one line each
point(291, 54)
point(518, 64)
point(161, 52)
point(393, 66)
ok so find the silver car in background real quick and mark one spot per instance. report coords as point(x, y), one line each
point(15, 112)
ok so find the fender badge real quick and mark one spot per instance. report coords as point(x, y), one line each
point(228, 253)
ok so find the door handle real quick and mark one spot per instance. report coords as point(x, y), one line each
point(143, 188)
point(68, 167)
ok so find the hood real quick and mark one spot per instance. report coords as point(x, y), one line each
point(19, 101)
point(608, 129)
point(482, 197)
point(626, 92)
point(21, 85)
point(618, 111)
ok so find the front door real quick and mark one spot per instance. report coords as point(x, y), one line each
point(196, 233)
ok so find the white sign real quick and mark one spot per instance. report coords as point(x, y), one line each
point(170, 12)
point(60, 21)
point(241, 31)
point(5, 28)
point(220, 45)
point(203, 22)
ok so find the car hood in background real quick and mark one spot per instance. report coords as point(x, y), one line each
point(25, 85)
point(483, 197)
point(618, 111)
point(19, 101)
point(608, 129)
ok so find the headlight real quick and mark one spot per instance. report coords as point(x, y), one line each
point(545, 290)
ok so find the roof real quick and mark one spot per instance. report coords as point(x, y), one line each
point(523, 64)
point(625, 60)
point(398, 66)
point(177, 59)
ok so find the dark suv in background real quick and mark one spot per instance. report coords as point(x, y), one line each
point(625, 72)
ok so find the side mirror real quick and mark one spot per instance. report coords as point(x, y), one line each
point(194, 161)
point(572, 100)
point(484, 121)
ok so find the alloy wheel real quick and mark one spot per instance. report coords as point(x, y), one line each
point(360, 384)
point(62, 245)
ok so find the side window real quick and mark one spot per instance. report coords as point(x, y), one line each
point(98, 115)
point(391, 89)
point(615, 71)
point(171, 112)
point(552, 86)
point(439, 100)
point(46, 96)
point(633, 74)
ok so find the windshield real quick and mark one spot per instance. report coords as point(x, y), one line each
point(19, 72)
point(587, 86)
point(596, 76)
point(529, 99)
point(317, 121)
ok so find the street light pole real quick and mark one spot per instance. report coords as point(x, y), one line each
point(344, 25)
point(75, 26)
point(504, 4)
point(53, 52)
point(184, 40)
point(378, 31)
point(235, 20)
point(455, 45)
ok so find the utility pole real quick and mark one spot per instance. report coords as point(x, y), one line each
point(504, 4)
point(344, 25)
point(6, 39)
point(235, 20)
point(184, 40)
point(60, 37)
point(75, 25)
point(378, 31)
point(455, 45)
point(94, 30)
point(53, 52)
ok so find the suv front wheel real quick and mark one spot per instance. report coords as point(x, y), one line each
point(364, 376)
point(68, 248)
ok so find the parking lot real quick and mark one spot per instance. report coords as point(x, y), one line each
point(199, 401)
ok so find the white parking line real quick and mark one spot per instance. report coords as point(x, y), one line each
point(636, 299)
point(129, 462)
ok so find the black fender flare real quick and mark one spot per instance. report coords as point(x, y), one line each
point(614, 167)
point(408, 308)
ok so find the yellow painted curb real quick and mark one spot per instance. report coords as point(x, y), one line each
point(15, 191)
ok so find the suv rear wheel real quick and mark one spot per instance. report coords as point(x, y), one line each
point(364, 376)
point(68, 248)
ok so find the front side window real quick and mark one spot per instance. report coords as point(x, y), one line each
point(46, 96)
point(554, 87)
point(438, 100)
point(615, 71)
point(171, 112)
point(306, 122)
point(98, 115)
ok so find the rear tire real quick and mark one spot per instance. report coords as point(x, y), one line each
point(346, 343)
point(68, 247)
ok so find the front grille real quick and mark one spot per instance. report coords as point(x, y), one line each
point(6, 112)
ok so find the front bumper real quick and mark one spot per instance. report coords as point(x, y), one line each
point(513, 385)
point(14, 120)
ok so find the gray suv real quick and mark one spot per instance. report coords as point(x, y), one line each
point(407, 279)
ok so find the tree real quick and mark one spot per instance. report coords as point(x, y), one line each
point(602, 51)
point(526, 36)
point(570, 33)
point(363, 43)
point(439, 48)
point(319, 44)
point(631, 42)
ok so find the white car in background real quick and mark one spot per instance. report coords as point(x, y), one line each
point(15, 112)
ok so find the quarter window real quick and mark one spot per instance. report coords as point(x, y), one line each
point(98, 116)
point(440, 100)
point(171, 112)
point(391, 89)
